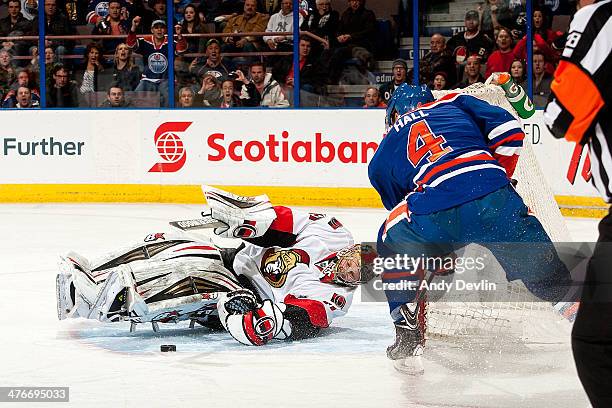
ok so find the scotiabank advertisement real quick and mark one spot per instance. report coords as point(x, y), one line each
point(327, 148)
point(296, 148)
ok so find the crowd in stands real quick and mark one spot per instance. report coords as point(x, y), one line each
point(231, 53)
point(493, 40)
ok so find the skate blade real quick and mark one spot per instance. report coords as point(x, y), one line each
point(410, 365)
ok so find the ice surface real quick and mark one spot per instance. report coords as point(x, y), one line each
point(107, 366)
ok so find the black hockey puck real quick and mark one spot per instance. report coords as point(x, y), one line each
point(167, 347)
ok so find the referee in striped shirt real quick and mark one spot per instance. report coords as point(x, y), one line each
point(579, 109)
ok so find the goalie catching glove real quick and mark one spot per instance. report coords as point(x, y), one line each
point(244, 217)
point(249, 321)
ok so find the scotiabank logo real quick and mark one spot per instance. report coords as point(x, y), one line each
point(284, 150)
point(170, 147)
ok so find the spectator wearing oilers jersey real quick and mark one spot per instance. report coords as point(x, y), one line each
point(115, 23)
point(443, 170)
point(579, 110)
point(97, 10)
point(154, 50)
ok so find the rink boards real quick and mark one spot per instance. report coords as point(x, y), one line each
point(298, 157)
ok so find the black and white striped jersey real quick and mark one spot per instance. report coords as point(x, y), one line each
point(579, 105)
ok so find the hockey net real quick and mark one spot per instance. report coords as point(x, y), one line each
point(517, 314)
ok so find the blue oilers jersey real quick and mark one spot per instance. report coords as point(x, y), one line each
point(155, 56)
point(446, 153)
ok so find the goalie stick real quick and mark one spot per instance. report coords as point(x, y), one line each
point(206, 222)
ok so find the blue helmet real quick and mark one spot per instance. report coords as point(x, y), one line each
point(406, 98)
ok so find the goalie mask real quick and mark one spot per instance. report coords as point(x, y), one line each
point(345, 267)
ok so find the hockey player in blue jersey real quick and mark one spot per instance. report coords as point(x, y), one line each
point(444, 170)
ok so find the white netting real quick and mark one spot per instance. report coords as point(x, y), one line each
point(516, 311)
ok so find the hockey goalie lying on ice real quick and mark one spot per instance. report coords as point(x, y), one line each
point(291, 275)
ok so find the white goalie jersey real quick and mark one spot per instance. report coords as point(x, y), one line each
point(289, 264)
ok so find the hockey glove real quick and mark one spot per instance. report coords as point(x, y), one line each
point(244, 217)
point(248, 321)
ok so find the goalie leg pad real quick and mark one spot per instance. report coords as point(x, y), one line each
point(64, 291)
point(86, 289)
point(118, 282)
point(71, 303)
point(75, 289)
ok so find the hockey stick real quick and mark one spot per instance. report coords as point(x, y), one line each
point(206, 222)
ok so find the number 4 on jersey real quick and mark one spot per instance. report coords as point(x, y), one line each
point(421, 141)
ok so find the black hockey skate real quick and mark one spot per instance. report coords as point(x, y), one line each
point(407, 349)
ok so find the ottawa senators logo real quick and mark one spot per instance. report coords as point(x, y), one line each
point(276, 264)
